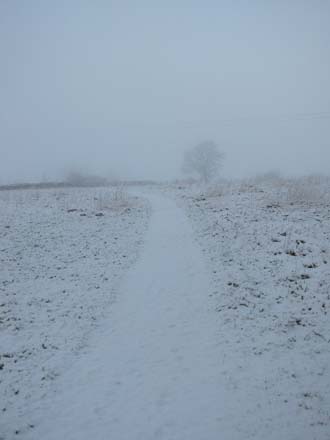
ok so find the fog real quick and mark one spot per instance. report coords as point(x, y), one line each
point(124, 87)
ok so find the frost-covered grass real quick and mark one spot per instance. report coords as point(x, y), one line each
point(267, 243)
point(62, 254)
point(312, 189)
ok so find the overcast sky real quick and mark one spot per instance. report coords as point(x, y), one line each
point(126, 86)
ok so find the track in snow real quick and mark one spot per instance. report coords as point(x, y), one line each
point(152, 371)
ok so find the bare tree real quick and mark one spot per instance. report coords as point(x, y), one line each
point(204, 159)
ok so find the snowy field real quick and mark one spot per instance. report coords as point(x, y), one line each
point(62, 255)
point(267, 243)
point(184, 313)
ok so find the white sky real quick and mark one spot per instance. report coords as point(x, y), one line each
point(126, 86)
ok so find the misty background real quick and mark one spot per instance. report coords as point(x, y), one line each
point(124, 87)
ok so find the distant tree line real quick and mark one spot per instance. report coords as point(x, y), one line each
point(75, 178)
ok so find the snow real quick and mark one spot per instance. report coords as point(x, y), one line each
point(210, 323)
point(268, 248)
point(152, 369)
point(61, 263)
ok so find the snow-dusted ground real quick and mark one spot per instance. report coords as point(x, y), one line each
point(62, 255)
point(151, 371)
point(268, 247)
point(220, 329)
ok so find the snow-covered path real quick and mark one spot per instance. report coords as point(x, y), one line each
point(152, 370)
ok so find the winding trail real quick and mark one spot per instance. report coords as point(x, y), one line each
point(152, 371)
